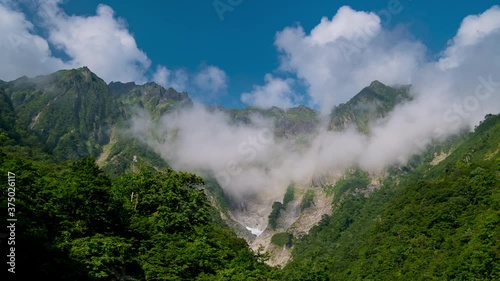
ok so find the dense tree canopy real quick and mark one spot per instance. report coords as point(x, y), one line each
point(153, 225)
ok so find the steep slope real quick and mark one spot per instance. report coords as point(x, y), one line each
point(373, 102)
point(435, 222)
point(125, 153)
point(74, 113)
point(7, 118)
point(297, 126)
point(70, 112)
point(75, 223)
point(151, 97)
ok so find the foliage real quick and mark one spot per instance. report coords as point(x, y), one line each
point(349, 183)
point(307, 200)
point(75, 223)
point(423, 226)
point(289, 195)
point(275, 212)
point(281, 239)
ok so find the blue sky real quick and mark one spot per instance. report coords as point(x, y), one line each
point(185, 33)
point(190, 35)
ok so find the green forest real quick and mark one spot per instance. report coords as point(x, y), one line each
point(75, 223)
point(425, 223)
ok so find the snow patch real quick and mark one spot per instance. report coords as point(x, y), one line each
point(254, 231)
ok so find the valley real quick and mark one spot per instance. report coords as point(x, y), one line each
point(303, 216)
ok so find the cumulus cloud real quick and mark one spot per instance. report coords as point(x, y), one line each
point(22, 51)
point(211, 79)
point(472, 31)
point(102, 42)
point(275, 92)
point(339, 57)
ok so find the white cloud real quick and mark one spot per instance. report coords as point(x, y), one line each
point(276, 92)
point(342, 55)
point(21, 51)
point(102, 42)
point(472, 31)
point(445, 101)
point(347, 23)
point(167, 78)
point(212, 79)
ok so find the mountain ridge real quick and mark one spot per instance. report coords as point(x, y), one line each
point(56, 109)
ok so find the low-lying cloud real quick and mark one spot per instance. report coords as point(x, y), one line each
point(449, 94)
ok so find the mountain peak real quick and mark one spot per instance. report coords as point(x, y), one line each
point(371, 103)
point(87, 74)
point(83, 74)
point(376, 84)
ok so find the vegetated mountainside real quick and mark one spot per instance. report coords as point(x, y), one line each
point(151, 97)
point(73, 113)
point(75, 223)
point(436, 218)
point(69, 112)
point(125, 152)
point(372, 103)
point(434, 222)
point(7, 118)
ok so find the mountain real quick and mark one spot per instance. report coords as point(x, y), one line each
point(131, 217)
point(439, 221)
point(372, 103)
point(288, 123)
point(70, 112)
point(74, 113)
point(7, 117)
point(151, 97)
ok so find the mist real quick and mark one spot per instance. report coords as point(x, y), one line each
point(450, 93)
